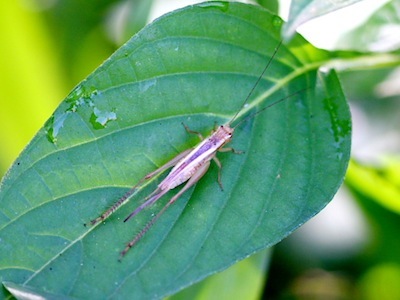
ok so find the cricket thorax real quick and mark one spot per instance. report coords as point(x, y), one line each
point(221, 136)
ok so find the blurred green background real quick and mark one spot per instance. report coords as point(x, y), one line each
point(352, 248)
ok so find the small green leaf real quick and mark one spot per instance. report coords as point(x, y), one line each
point(380, 184)
point(195, 65)
point(378, 33)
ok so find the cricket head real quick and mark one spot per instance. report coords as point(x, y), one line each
point(222, 135)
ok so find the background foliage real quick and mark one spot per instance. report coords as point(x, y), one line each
point(55, 44)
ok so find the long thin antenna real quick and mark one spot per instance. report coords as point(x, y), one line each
point(257, 82)
point(269, 105)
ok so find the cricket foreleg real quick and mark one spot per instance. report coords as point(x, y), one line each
point(193, 180)
point(188, 130)
point(128, 194)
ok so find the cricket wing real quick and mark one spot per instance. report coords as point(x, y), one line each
point(193, 180)
point(157, 194)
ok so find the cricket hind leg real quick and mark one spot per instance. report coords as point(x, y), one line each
point(121, 201)
point(193, 180)
point(157, 193)
point(132, 191)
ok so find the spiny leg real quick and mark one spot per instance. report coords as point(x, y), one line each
point(117, 204)
point(128, 194)
point(193, 180)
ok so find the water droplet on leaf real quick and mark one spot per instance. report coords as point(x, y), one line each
point(276, 21)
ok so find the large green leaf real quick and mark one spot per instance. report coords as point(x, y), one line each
point(196, 66)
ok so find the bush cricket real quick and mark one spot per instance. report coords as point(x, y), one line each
point(187, 167)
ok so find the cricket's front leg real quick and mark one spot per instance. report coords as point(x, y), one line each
point(190, 131)
point(121, 201)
